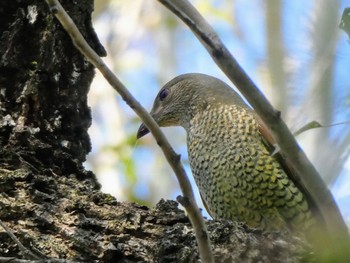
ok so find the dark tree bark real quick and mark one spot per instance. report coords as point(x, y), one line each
point(51, 203)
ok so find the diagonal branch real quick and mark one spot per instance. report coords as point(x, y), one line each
point(191, 207)
point(24, 250)
point(305, 173)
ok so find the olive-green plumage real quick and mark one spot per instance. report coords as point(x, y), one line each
point(237, 175)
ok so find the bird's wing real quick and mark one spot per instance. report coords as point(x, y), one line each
point(271, 145)
point(205, 204)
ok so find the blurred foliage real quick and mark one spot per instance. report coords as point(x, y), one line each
point(345, 21)
point(293, 50)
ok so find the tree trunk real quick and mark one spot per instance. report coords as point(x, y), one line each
point(47, 198)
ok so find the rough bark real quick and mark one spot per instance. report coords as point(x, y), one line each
point(51, 203)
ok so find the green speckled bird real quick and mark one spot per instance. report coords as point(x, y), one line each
point(231, 155)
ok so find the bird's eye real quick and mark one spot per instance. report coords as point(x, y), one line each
point(163, 94)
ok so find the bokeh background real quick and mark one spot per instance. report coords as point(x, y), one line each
point(293, 50)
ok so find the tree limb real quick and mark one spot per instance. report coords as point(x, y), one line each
point(305, 172)
point(192, 209)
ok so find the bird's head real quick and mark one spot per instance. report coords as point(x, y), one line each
point(184, 96)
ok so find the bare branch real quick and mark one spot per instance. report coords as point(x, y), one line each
point(315, 124)
point(192, 209)
point(305, 173)
point(18, 260)
point(26, 252)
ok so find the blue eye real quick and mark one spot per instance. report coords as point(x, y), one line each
point(163, 94)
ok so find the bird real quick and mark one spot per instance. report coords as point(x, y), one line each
point(232, 155)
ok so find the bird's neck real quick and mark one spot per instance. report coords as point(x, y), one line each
point(220, 117)
point(204, 120)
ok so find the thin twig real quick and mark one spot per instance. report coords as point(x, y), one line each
point(19, 260)
point(15, 260)
point(315, 124)
point(192, 209)
point(304, 171)
point(26, 252)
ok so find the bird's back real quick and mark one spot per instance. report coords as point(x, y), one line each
point(238, 177)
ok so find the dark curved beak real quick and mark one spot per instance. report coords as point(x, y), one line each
point(142, 131)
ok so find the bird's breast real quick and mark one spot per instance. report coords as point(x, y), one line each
point(237, 176)
point(218, 140)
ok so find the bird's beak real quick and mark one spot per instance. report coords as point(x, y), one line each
point(142, 131)
point(155, 112)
